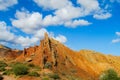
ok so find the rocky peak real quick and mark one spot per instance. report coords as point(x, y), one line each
point(46, 36)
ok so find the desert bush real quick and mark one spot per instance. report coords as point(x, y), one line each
point(54, 76)
point(7, 72)
point(33, 73)
point(20, 69)
point(2, 65)
point(48, 65)
point(31, 65)
point(109, 75)
point(45, 78)
point(2, 68)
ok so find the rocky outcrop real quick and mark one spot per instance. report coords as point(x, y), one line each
point(85, 63)
point(8, 54)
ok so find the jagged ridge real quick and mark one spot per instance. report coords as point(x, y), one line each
point(86, 64)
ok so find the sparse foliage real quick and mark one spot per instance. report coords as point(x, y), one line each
point(55, 76)
point(33, 73)
point(20, 69)
point(48, 65)
point(109, 75)
point(2, 65)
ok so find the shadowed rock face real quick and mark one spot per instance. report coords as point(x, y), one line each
point(85, 63)
point(8, 54)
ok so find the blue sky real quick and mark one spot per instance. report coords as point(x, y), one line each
point(79, 24)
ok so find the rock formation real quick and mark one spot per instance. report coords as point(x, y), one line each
point(8, 54)
point(85, 64)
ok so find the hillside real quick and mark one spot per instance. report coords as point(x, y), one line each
point(84, 65)
point(4, 47)
point(8, 54)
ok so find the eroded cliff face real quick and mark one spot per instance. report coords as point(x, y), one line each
point(49, 51)
point(8, 54)
point(85, 64)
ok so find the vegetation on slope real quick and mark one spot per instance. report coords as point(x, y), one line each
point(109, 75)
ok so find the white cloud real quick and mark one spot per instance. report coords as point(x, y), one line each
point(27, 22)
point(51, 20)
point(89, 5)
point(115, 40)
point(117, 33)
point(52, 4)
point(102, 16)
point(27, 41)
point(40, 33)
point(69, 12)
point(5, 34)
point(30, 22)
point(61, 38)
point(76, 23)
point(5, 4)
point(65, 10)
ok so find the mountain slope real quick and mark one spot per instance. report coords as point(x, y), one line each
point(4, 47)
point(7, 53)
point(84, 64)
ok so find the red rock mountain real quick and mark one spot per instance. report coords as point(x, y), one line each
point(85, 64)
point(8, 54)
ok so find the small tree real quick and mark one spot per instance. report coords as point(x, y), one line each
point(55, 76)
point(48, 65)
point(109, 75)
point(20, 69)
point(2, 65)
point(33, 73)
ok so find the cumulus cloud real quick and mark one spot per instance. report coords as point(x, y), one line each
point(5, 4)
point(76, 23)
point(117, 40)
point(65, 10)
point(89, 5)
point(52, 4)
point(61, 38)
point(6, 36)
point(28, 41)
point(51, 20)
point(27, 22)
point(62, 12)
point(69, 12)
point(117, 33)
point(102, 16)
point(9, 37)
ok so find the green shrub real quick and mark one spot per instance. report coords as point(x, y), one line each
point(2, 68)
point(34, 74)
point(48, 65)
point(20, 69)
point(45, 79)
point(55, 76)
point(7, 72)
point(109, 75)
point(3, 64)
point(31, 65)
